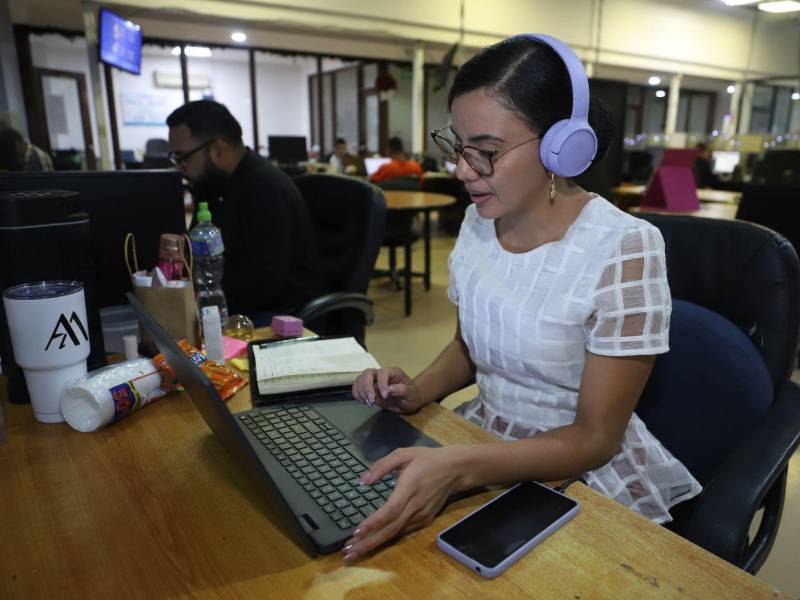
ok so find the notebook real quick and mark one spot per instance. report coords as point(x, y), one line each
point(305, 453)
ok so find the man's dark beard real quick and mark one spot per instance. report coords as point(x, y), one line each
point(211, 184)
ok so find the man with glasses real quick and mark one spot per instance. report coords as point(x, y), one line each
point(271, 264)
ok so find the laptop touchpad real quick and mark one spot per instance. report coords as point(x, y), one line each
point(374, 431)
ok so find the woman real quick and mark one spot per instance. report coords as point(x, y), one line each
point(562, 306)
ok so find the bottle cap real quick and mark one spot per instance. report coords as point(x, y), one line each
point(203, 214)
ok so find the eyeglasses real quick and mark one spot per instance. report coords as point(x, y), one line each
point(481, 161)
point(178, 159)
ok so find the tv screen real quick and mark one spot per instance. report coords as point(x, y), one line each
point(120, 42)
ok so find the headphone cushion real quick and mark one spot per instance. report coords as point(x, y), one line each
point(568, 147)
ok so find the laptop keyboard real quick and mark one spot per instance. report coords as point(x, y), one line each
point(316, 454)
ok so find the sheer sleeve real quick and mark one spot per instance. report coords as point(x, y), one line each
point(632, 303)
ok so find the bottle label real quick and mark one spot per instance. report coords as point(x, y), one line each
point(212, 247)
point(128, 398)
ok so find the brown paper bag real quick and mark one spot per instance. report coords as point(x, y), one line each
point(174, 308)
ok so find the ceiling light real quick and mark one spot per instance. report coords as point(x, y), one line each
point(660, 93)
point(176, 51)
point(654, 80)
point(782, 6)
point(739, 2)
point(239, 36)
point(731, 89)
point(198, 51)
point(796, 96)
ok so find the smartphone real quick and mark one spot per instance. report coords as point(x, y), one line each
point(499, 533)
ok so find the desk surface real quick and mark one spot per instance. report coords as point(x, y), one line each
point(153, 507)
point(703, 194)
point(412, 200)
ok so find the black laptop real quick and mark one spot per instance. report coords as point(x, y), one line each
point(306, 454)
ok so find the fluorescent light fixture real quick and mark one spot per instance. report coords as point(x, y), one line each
point(731, 89)
point(176, 51)
point(239, 36)
point(654, 80)
point(796, 96)
point(782, 6)
point(739, 2)
point(660, 93)
point(198, 51)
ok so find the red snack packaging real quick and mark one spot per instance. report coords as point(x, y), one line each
point(226, 381)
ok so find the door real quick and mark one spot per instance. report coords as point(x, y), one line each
point(67, 115)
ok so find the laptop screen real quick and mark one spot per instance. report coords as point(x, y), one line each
point(373, 164)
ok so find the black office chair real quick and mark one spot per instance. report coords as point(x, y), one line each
point(778, 167)
point(722, 400)
point(402, 231)
point(773, 206)
point(450, 217)
point(348, 216)
point(156, 154)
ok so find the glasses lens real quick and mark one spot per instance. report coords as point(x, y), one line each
point(478, 161)
point(446, 147)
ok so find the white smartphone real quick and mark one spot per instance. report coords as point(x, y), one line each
point(499, 533)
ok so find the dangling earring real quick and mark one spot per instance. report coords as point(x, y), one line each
point(552, 189)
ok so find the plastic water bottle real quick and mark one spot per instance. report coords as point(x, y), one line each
point(207, 248)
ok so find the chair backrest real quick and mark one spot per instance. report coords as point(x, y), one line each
point(778, 166)
point(742, 271)
point(348, 216)
point(405, 183)
point(773, 206)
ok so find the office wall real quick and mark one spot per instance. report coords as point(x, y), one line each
point(400, 105)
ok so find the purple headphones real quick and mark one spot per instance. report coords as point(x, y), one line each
point(570, 145)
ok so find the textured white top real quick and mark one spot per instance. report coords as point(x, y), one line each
point(529, 319)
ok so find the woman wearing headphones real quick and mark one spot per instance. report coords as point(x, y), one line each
point(562, 302)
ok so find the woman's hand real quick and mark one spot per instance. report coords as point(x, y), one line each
point(390, 388)
point(428, 476)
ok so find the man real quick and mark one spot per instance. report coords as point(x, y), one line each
point(399, 166)
point(18, 154)
point(271, 264)
point(703, 173)
point(341, 160)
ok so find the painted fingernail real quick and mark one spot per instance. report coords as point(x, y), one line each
point(350, 556)
point(346, 549)
point(355, 533)
point(371, 398)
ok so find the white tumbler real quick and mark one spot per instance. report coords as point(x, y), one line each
point(50, 336)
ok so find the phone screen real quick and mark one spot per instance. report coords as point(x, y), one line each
point(496, 530)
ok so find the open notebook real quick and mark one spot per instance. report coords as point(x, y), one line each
point(307, 364)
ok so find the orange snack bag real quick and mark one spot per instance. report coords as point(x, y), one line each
point(226, 381)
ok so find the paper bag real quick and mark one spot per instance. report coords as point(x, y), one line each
point(174, 308)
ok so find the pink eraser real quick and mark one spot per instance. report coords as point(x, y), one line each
point(231, 347)
point(286, 326)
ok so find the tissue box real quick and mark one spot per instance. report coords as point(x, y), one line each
point(286, 326)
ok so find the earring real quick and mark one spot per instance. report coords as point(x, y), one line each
point(552, 189)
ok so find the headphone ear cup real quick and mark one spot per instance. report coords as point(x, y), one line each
point(568, 147)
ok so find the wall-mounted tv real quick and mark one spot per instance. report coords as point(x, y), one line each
point(120, 42)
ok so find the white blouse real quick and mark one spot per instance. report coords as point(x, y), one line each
point(529, 319)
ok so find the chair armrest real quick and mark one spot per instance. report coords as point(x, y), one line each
point(336, 301)
point(725, 510)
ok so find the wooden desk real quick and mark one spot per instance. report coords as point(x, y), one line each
point(153, 507)
point(423, 202)
point(710, 211)
point(703, 194)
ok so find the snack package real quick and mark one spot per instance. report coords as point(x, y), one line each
point(226, 381)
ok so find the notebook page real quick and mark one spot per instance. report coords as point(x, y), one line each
point(313, 358)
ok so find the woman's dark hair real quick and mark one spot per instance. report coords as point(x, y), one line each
point(529, 78)
point(207, 119)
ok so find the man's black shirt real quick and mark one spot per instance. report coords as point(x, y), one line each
point(271, 259)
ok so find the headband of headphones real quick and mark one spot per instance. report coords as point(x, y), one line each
point(570, 145)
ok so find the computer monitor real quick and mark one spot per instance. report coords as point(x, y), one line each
point(373, 164)
point(287, 149)
point(145, 203)
point(119, 42)
point(725, 161)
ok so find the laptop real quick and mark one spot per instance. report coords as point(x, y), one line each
point(305, 453)
point(373, 164)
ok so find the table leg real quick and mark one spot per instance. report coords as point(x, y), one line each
point(427, 243)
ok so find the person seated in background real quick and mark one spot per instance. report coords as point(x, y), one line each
point(18, 154)
point(703, 173)
point(271, 263)
point(399, 166)
point(342, 161)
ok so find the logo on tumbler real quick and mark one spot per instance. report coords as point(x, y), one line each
point(64, 329)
